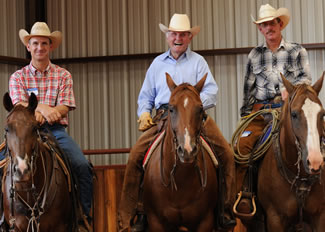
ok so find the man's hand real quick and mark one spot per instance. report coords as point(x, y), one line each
point(39, 118)
point(51, 114)
point(145, 121)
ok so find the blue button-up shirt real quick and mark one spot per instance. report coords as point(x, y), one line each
point(190, 67)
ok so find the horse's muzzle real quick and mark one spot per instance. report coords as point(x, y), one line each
point(187, 156)
point(21, 173)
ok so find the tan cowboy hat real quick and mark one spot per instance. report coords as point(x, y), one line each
point(268, 13)
point(41, 29)
point(180, 22)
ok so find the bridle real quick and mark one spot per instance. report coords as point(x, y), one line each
point(301, 184)
point(171, 181)
point(38, 208)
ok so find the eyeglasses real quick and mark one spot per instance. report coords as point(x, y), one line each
point(269, 23)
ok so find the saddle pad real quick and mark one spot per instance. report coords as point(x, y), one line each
point(152, 148)
point(156, 142)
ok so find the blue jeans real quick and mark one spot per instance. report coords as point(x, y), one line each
point(79, 164)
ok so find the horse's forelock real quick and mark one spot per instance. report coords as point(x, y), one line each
point(184, 87)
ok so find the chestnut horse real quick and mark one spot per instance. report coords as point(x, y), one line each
point(180, 181)
point(291, 179)
point(35, 188)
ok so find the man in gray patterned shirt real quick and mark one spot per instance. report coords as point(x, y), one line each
point(265, 62)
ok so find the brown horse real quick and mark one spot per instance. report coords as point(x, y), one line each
point(35, 188)
point(291, 182)
point(180, 181)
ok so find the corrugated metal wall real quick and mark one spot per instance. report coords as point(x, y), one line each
point(106, 92)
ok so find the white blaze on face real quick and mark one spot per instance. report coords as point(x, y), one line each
point(185, 102)
point(22, 164)
point(187, 143)
point(311, 110)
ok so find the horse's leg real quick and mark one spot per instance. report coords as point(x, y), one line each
point(274, 222)
point(154, 224)
point(319, 224)
point(207, 224)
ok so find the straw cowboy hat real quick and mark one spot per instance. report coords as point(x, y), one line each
point(180, 22)
point(41, 29)
point(268, 13)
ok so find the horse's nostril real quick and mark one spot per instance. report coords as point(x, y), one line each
point(180, 150)
point(308, 162)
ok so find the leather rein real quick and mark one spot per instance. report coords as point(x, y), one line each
point(301, 184)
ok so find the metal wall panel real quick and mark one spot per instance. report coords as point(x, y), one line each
point(12, 18)
point(106, 92)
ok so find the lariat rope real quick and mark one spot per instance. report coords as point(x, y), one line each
point(260, 151)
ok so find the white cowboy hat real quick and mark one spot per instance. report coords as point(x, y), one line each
point(41, 29)
point(268, 13)
point(180, 22)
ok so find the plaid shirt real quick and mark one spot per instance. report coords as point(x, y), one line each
point(53, 87)
point(262, 79)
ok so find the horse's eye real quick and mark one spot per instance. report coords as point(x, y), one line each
point(171, 109)
point(294, 115)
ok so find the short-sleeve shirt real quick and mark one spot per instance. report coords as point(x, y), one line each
point(52, 87)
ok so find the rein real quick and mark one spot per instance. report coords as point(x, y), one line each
point(301, 184)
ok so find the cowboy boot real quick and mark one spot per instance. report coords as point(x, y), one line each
point(227, 219)
point(140, 224)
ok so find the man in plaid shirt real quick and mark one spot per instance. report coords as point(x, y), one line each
point(263, 87)
point(274, 56)
point(53, 87)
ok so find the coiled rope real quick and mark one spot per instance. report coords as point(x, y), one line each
point(259, 152)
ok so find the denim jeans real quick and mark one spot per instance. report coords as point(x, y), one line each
point(79, 164)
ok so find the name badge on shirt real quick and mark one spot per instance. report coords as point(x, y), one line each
point(32, 90)
point(245, 134)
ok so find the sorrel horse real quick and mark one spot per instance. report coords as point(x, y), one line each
point(291, 179)
point(35, 187)
point(180, 182)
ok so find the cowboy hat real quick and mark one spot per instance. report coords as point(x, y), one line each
point(41, 29)
point(268, 13)
point(180, 22)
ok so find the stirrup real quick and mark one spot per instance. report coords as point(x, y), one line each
point(249, 202)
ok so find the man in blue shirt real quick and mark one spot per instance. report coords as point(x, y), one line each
point(183, 65)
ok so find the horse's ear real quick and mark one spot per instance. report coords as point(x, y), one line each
point(32, 102)
point(7, 103)
point(171, 84)
point(289, 87)
point(200, 84)
point(319, 84)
